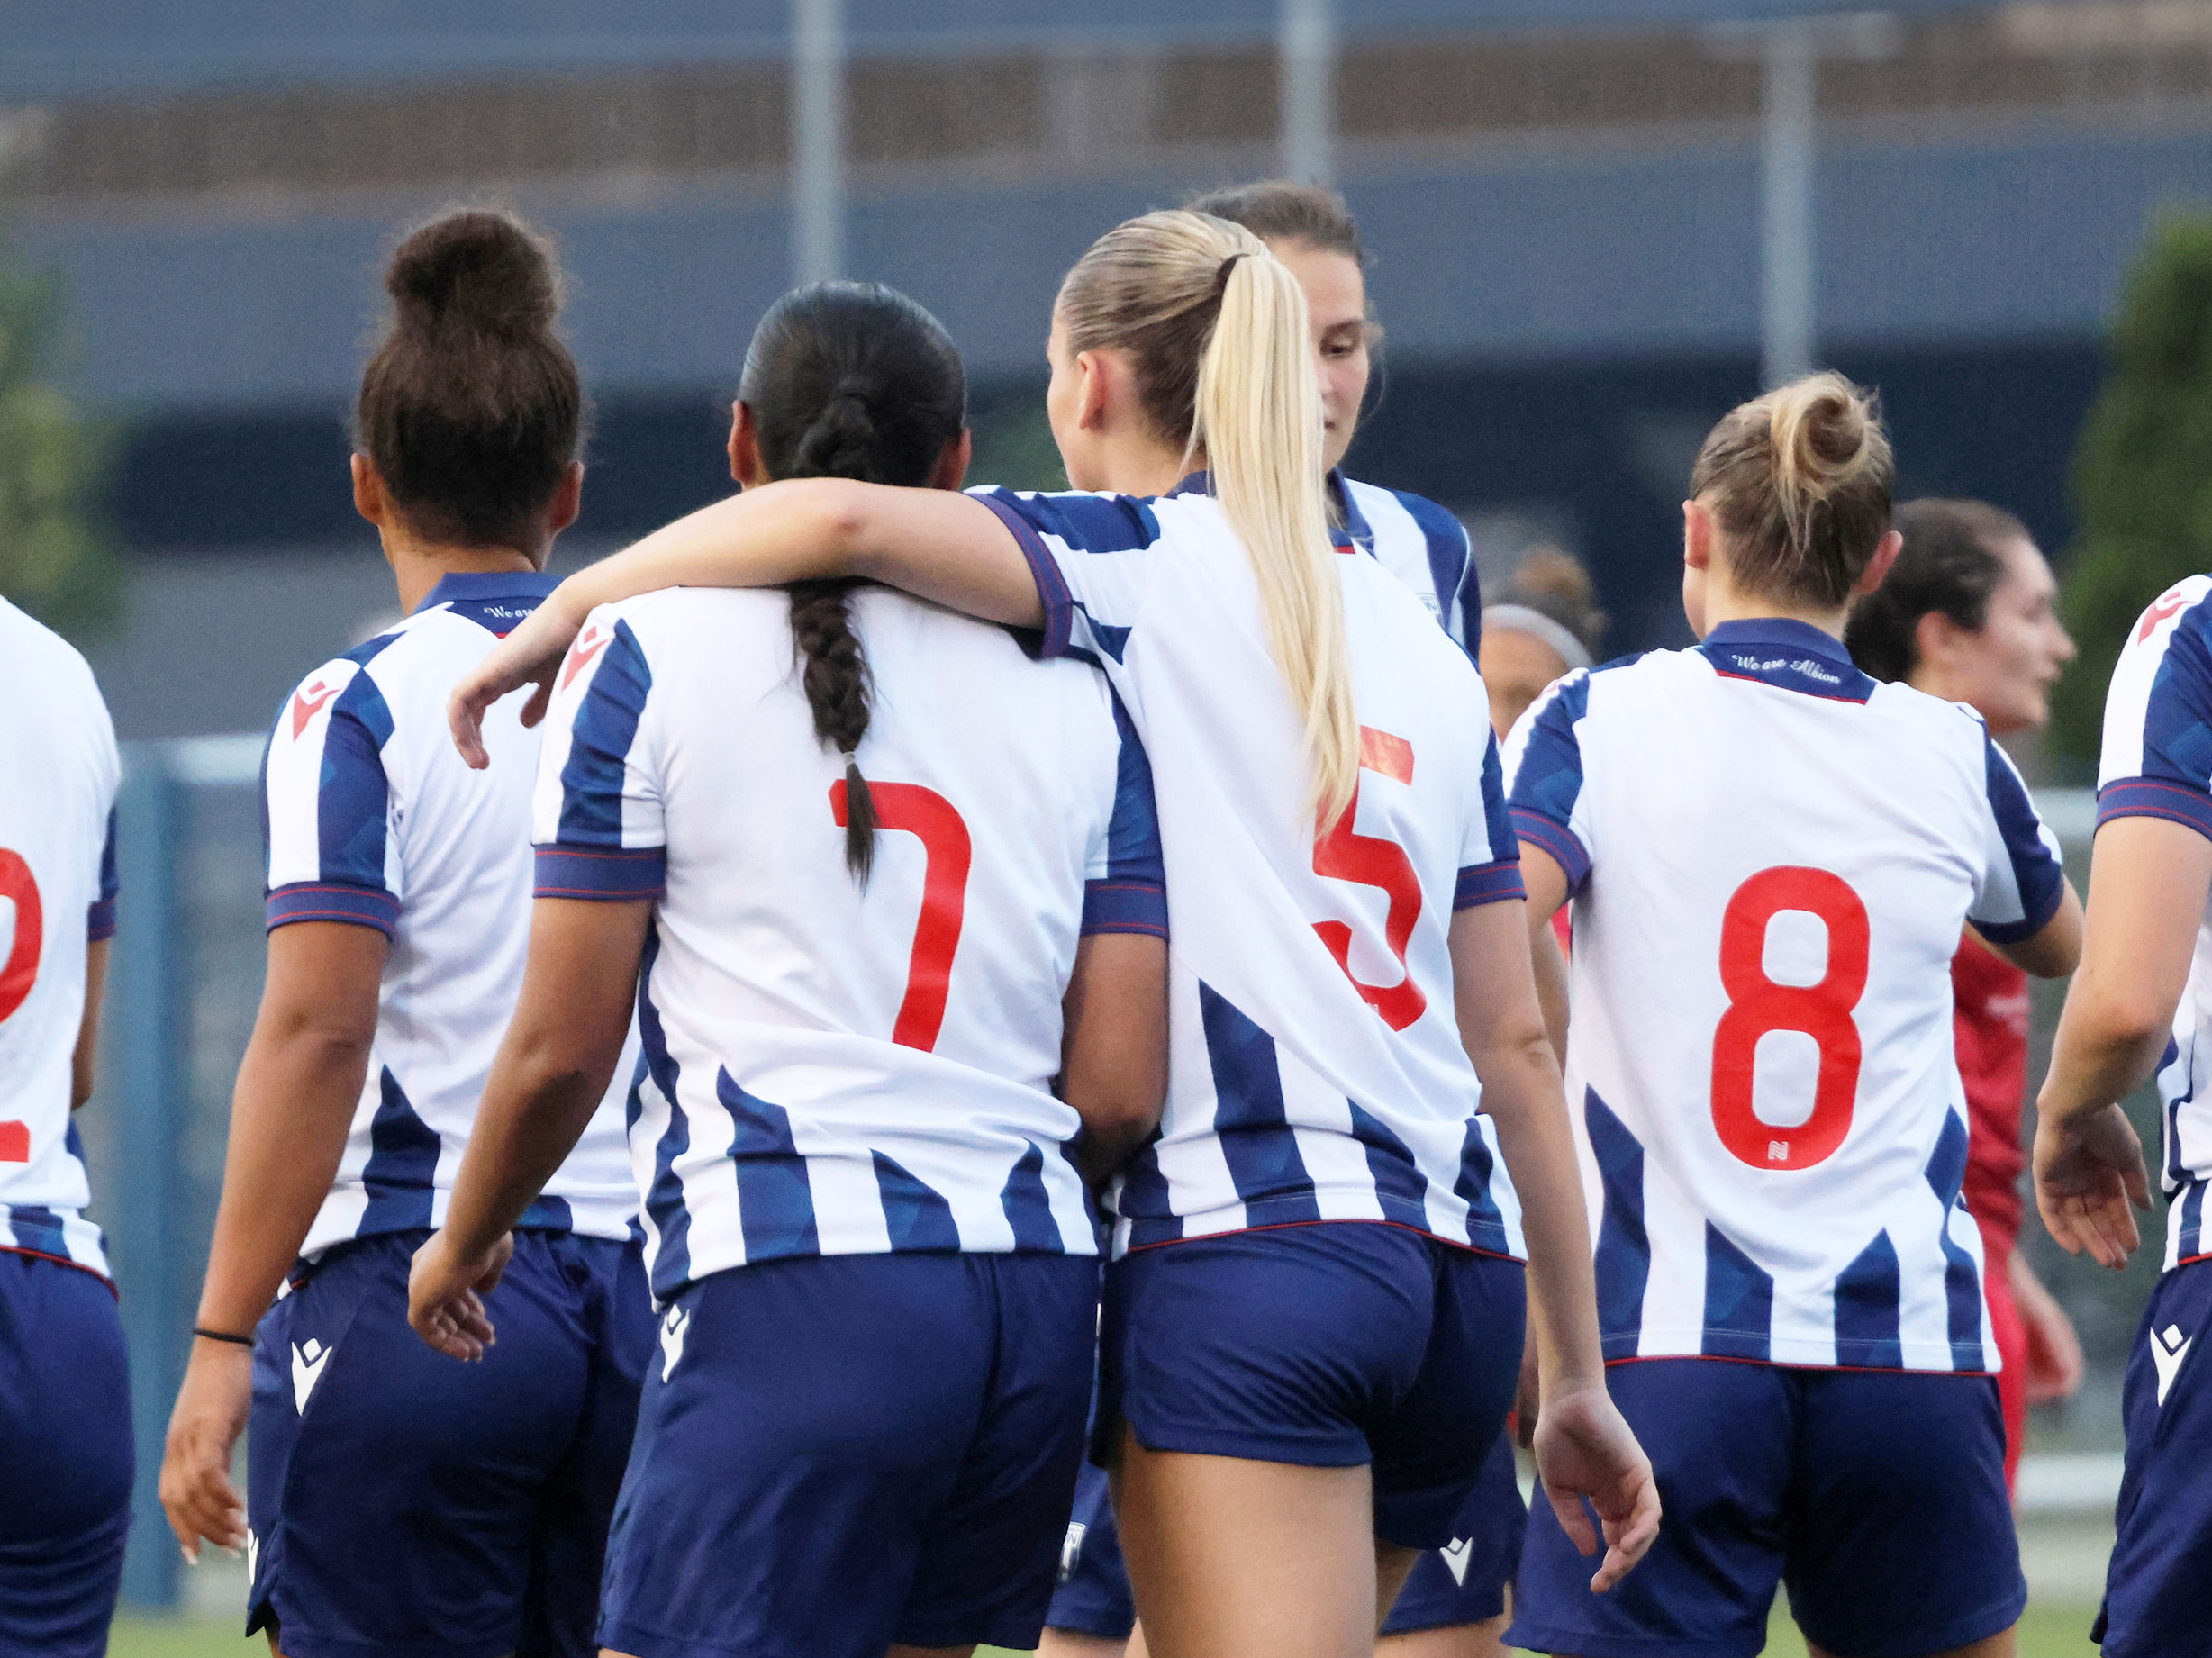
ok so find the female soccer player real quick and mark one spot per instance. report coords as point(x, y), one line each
point(1546, 625)
point(65, 1397)
point(864, 892)
point(2142, 1005)
point(1453, 1604)
point(1312, 1331)
point(398, 1502)
point(1771, 856)
point(1966, 615)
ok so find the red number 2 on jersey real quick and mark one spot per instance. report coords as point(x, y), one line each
point(929, 815)
point(1345, 854)
point(18, 972)
point(1757, 1004)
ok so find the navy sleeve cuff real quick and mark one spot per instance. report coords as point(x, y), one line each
point(2154, 797)
point(611, 874)
point(1565, 847)
point(1051, 585)
point(1488, 883)
point(1120, 905)
point(2041, 907)
point(99, 921)
point(330, 900)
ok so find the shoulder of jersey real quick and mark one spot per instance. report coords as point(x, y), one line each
point(1428, 515)
point(30, 640)
point(2180, 607)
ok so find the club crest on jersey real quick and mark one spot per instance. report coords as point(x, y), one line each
point(675, 1325)
point(307, 703)
point(589, 644)
point(2169, 1347)
point(309, 1359)
point(2167, 606)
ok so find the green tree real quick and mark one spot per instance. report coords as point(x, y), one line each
point(2143, 472)
point(1014, 442)
point(59, 559)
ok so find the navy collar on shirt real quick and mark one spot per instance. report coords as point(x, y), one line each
point(1355, 531)
point(498, 600)
point(1795, 655)
point(475, 587)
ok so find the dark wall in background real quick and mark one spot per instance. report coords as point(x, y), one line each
point(1598, 453)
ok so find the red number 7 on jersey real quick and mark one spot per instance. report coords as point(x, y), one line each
point(1345, 854)
point(936, 820)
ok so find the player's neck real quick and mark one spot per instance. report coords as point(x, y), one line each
point(420, 566)
point(1136, 463)
point(1723, 603)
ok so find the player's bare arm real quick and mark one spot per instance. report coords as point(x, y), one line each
point(935, 544)
point(1583, 1448)
point(2148, 883)
point(1113, 1067)
point(2055, 950)
point(553, 1069)
point(296, 1091)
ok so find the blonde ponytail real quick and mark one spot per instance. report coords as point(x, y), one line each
point(1222, 353)
point(1259, 421)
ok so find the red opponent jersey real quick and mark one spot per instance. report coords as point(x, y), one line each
point(1989, 1023)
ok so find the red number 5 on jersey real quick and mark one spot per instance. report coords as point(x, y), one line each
point(944, 836)
point(18, 972)
point(1757, 1005)
point(1345, 854)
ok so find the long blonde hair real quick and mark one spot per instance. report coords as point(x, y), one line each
point(1216, 330)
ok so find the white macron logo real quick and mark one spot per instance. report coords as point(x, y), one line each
point(673, 1325)
point(2169, 1347)
point(1457, 1553)
point(253, 1557)
point(307, 1363)
point(1071, 1548)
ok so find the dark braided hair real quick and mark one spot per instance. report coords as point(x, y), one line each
point(850, 380)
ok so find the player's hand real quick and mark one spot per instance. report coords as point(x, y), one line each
point(1584, 1450)
point(2089, 1172)
point(526, 656)
point(196, 1492)
point(445, 1295)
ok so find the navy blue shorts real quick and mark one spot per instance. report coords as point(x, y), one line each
point(839, 1452)
point(1878, 1497)
point(2162, 1560)
point(64, 1458)
point(400, 1502)
point(1331, 1345)
point(1462, 1582)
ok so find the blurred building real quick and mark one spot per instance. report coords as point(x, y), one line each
point(1561, 197)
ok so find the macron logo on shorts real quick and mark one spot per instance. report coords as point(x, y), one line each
point(1456, 1555)
point(307, 1364)
point(1071, 1549)
point(675, 1325)
point(2169, 1347)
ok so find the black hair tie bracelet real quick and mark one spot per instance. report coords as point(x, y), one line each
point(236, 1341)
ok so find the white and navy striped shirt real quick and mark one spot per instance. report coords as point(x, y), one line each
point(2157, 763)
point(373, 819)
point(833, 1069)
point(1420, 544)
point(59, 770)
point(1317, 1072)
point(1771, 856)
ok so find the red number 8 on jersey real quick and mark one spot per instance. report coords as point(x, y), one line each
point(1757, 1005)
